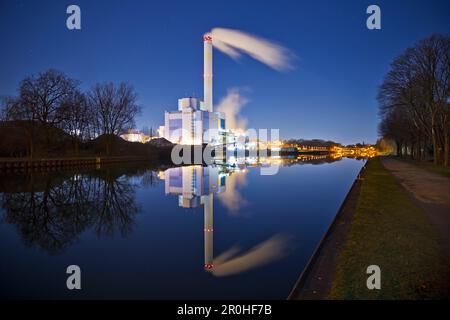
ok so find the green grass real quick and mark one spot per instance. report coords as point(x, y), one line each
point(429, 166)
point(390, 231)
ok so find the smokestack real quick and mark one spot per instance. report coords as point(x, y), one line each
point(207, 73)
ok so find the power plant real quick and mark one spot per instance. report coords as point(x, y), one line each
point(195, 122)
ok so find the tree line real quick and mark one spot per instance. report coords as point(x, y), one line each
point(52, 100)
point(414, 101)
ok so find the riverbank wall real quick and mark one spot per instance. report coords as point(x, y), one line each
point(314, 281)
point(8, 165)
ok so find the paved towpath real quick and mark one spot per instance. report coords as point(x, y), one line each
point(431, 192)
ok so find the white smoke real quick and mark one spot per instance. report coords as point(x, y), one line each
point(234, 42)
point(231, 106)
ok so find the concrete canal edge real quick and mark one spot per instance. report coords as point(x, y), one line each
point(316, 279)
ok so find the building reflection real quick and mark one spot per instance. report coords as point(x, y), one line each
point(195, 187)
point(50, 211)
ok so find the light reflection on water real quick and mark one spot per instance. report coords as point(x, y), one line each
point(185, 232)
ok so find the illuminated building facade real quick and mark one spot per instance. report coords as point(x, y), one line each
point(195, 123)
point(191, 125)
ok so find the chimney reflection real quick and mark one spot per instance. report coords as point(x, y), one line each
point(208, 231)
point(195, 187)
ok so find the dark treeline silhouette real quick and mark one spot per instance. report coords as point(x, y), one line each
point(50, 211)
point(414, 101)
point(50, 111)
point(312, 142)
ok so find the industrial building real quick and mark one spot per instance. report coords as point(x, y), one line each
point(192, 125)
point(195, 122)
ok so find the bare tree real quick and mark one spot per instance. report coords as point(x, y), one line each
point(52, 100)
point(414, 99)
point(78, 118)
point(115, 108)
point(41, 98)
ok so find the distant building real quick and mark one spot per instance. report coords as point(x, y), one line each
point(134, 135)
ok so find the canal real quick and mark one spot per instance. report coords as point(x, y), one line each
point(175, 233)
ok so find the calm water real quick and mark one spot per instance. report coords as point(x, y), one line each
point(186, 233)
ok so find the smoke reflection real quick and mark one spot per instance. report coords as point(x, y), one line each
point(232, 199)
point(230, 263)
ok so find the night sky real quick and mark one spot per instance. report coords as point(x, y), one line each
point(157, 47)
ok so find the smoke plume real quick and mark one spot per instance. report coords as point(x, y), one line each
point(234, 42)
point(231, 105)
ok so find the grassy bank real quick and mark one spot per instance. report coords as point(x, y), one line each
point(390, 231)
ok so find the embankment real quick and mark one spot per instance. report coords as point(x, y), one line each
point(382, 226)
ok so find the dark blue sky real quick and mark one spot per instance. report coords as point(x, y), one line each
point(157, 47)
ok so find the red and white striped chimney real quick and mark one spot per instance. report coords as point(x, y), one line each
point(207, 73)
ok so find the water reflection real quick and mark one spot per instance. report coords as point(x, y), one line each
point(195, 187)
point(232, 199)
point(253, 226)
point(52, 213)
point(230, 263)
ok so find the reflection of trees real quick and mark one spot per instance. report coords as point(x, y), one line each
point(114, 206)
point(52, 216)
